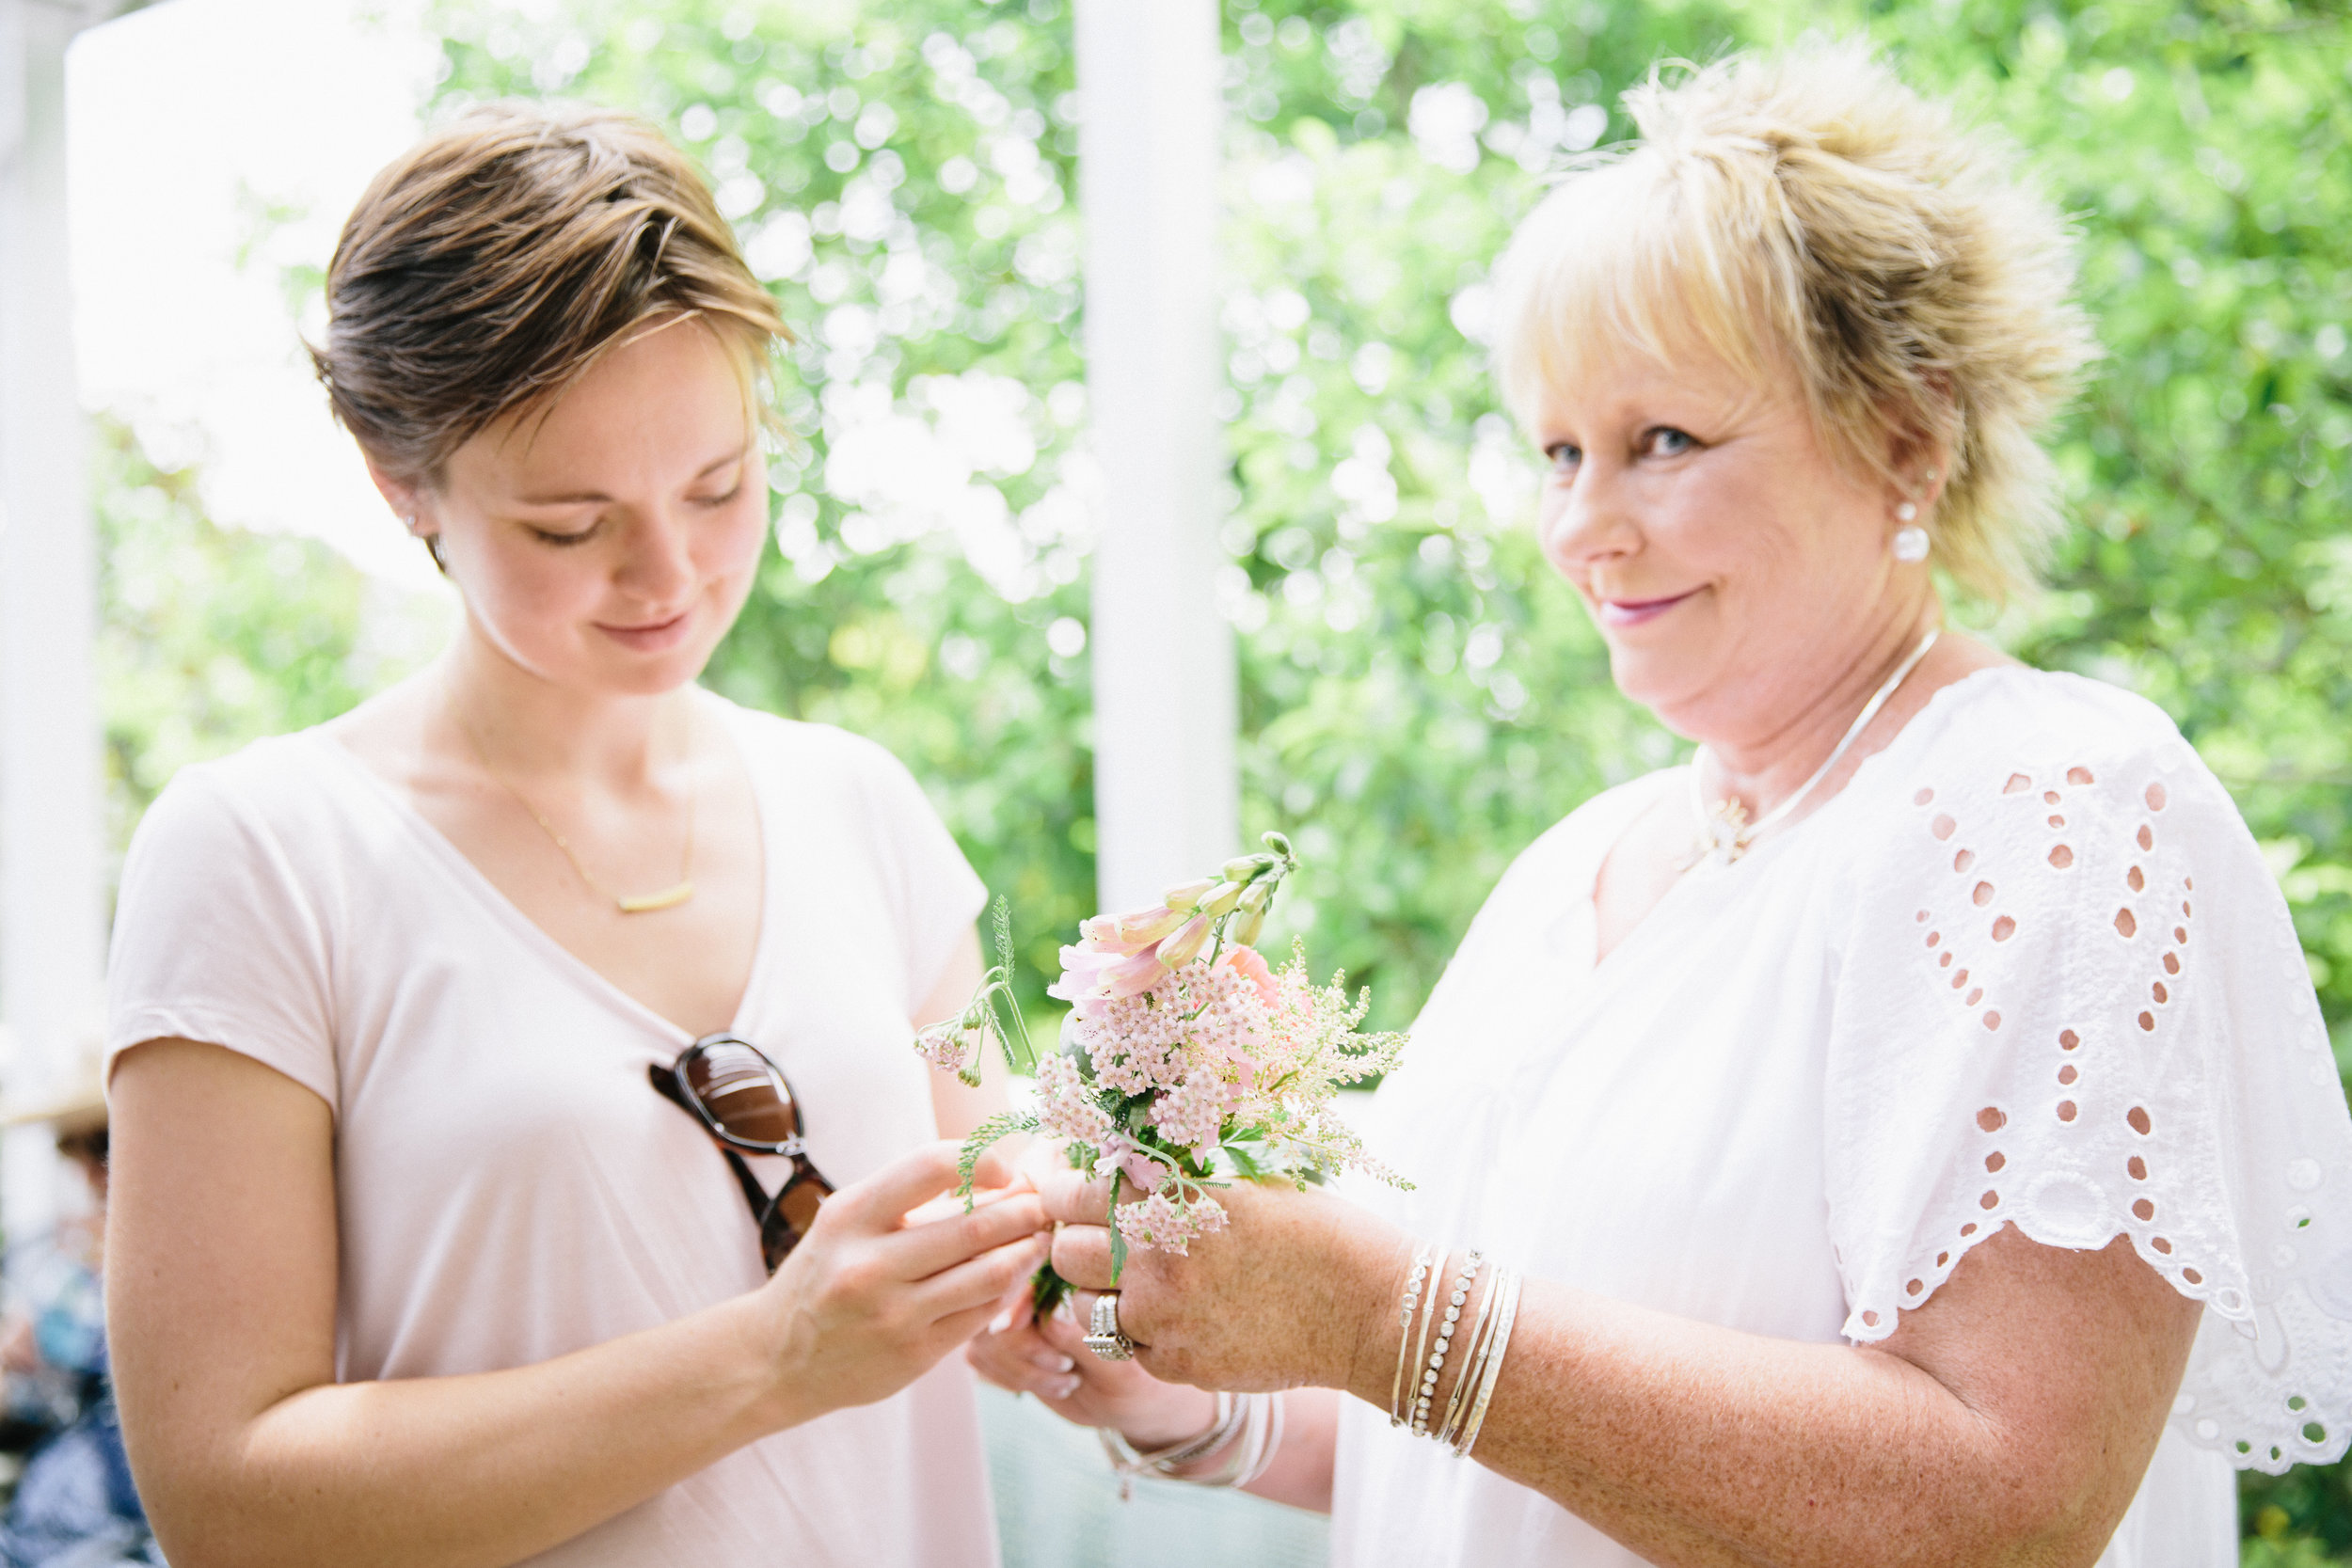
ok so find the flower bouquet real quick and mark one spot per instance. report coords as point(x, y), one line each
point(1187, 1060)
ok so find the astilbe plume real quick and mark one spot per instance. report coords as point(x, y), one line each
point(1188, 1062)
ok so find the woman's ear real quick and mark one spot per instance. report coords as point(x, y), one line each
point(1921, 467)
point(410, 503)
point(402, 495)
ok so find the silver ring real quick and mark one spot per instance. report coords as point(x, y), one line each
point(1107, 1342)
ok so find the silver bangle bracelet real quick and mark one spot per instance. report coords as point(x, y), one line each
point(1490, 1368)
point(1249, 1425)
point(1397, 1407)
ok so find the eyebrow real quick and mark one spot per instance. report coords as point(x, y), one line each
point(573, 497)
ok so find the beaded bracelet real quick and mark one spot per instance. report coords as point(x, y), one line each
point(1466, 1381)
point(1405, 1333)
point(1436, 1363)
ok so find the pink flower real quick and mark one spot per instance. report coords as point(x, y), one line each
point(1251, 963)
point(1090, 976)
point(1193, 1113)
point(949, 1045)
point(1130, 933)
point(1121, 1152)
point(1066, 1107)
point(1160, 1223)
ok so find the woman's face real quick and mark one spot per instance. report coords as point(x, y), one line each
point(608, 546)
point(1735, 570)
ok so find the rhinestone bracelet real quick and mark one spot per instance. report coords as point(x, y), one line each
point(1474, 1348)
point(1436, 1363)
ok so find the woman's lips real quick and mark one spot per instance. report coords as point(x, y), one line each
point(651, 637)
point(1632, 612)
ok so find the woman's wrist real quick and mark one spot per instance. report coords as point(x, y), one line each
point(1185, 1413)
point(1371, 1309)
point(774, 1358)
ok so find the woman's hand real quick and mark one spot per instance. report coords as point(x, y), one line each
point(1048, 1357)
point(874, 1295)
point(1296, 1290)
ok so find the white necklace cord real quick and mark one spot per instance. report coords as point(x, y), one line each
point(1723, 834)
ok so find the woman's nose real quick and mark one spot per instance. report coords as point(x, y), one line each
point(1583, 518)
point(660, 566)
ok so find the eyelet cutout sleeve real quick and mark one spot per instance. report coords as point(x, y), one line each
point(2072, 1001)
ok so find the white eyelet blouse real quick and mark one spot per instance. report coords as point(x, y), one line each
point(2027, 968)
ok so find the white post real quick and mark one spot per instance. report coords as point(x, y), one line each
point(1166, 798)
point(52, 922)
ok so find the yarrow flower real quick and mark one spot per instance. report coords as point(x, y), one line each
point(1169, 1225)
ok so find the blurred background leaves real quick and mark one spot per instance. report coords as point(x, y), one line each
point(1419, 696)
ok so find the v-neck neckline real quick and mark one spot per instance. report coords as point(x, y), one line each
point(510, 914)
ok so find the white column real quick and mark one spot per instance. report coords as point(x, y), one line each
point(1165, 790)
point(52, 922)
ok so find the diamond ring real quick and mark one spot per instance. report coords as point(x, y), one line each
point(1107, 1342)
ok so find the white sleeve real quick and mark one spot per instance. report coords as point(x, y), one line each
point(2071, 1000)
point(216, 940)
point(931, 890)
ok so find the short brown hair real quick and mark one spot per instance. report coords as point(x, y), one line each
point(487, 268)
point(1804, 211)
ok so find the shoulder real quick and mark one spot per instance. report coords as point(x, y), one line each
point(2020, 730)
point(811, 752)
point(257, 794)
point(2028, 761)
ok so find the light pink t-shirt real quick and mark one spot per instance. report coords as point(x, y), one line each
point(511, 1187)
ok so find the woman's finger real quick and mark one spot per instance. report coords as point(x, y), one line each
point(1073, 1199)
point(924, 1250)
point(973, 1287)
point(1082, 1255)
point(878, 1202)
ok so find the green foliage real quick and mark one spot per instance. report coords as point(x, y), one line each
point(210, 637)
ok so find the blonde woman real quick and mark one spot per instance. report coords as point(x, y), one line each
point(481, 1059)
point(1905, 1135)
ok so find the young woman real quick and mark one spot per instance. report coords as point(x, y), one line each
point(426, 1249)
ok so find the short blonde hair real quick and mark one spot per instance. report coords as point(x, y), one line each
point(489, 267)
point(1807, 213)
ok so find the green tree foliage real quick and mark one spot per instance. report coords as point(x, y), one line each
point(209, 638)
point(1419, 696)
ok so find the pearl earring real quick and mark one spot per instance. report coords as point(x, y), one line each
point(1911, 544)
point(1906, 511)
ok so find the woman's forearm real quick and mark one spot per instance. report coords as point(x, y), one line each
point(1299, 1473)
point(1693, 1444)
point(468, 1472)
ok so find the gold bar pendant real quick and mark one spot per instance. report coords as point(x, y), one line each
point(669, 899)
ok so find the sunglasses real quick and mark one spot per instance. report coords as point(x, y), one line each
point(742, 1100)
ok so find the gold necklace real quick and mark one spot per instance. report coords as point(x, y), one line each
point(645, 903)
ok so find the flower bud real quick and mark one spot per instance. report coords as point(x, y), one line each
point(1187, 895)
point(1241, 868)
point(1244, 932)
point(1256, 896)
point(1185, 944)
point(1279, 844)
point(1221, 898)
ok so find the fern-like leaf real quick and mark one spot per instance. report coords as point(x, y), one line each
point(1002, 1125)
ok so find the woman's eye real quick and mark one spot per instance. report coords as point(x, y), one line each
point(715, 501)
point(1666, 441)
point(1563, 456)
point(564, 540)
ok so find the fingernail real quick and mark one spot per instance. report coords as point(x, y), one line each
point(1001, 1322)
point(1065, 1388)
point(1067, 1365)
